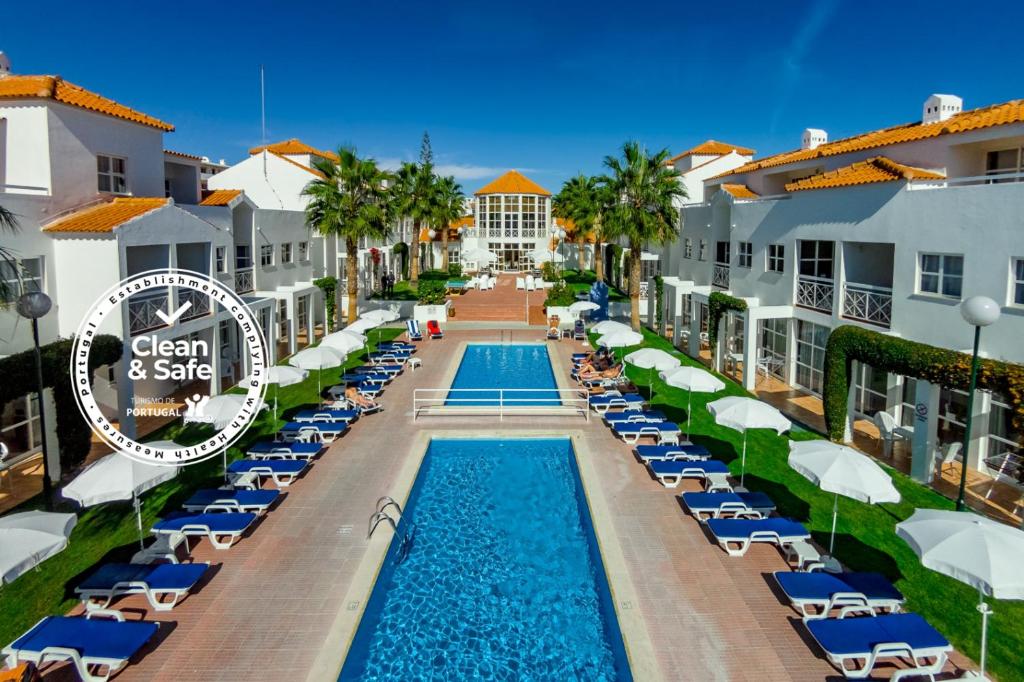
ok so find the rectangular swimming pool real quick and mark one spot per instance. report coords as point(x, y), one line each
point(504, 366)
point(503, 578)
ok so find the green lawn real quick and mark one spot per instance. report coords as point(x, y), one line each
point(865, 536)
point(404, 291)
point(580, 281)
point(108, 532)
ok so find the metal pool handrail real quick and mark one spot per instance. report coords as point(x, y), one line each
point(440, 401)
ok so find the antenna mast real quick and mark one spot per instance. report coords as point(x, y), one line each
point(263, 120)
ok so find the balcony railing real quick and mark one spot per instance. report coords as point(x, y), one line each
point(142, 311)
point(815, 293)
point(243, 281)
point(987, 179)
point(200, 303)
point(867, 303)
point(720, 276)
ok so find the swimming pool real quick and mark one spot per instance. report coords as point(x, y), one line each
point(504, 578)
point(493, 366)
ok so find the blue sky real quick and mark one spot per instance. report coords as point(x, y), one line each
point(549, 88)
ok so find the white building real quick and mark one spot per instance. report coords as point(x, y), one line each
point(887, 230)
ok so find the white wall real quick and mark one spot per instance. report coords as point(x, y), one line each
point(268, 180)
point(26, 148)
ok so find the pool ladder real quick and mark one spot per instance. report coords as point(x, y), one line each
point(380, 515)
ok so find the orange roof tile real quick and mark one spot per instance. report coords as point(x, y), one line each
point(294, 146)
point(740, 191)
point(464, 221)
point(219, 197)
point(513, 182)
point(107, 216)
point(876, 169)
point(974, 119)
point(183, 155)
point(570, 230)
point(59, 90)
point(314, 171)
point(713, 148)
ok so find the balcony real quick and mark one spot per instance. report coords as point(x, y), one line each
point(142, 312)
point(815, 293)
point(199, 304)
point(720, 276)
point(243, 281)
point(867, 303)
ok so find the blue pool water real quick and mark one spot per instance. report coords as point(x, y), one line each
point(491, 366)
point(503, 580)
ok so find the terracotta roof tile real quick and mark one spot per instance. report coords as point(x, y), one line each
point(740, 191)
point(464, 221)
point(713, 147)
point(513, 182)
point(107, 216)
point(294, 146)
point(219, 197)
point(876, 169)
point(59, 90)
point(974, 119)
point(314, 171)
point(183, 155)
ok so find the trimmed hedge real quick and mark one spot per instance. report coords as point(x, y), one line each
point(19, 379)
point(659, 296)
point(718, 304)
point(947, 368)
point(329, 286)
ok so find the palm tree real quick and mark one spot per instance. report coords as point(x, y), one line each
point(580, 201)
point(414, 195)
point(349, 202)
point(644, 191)
point(448, 201)
point(8, 223)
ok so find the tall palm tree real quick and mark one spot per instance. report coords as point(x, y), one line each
point(580, 200)
point(644, 191)
point(350, 202)
point(8, 223)
point(414, 195)
point(448, 202)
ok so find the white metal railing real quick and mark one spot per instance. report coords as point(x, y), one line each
point(720, 276)
point(989, 179)
point(508, 401)
point(868, 303)
point(815, 293)
point(243, 281)
point(142, 312)
point(200, 303)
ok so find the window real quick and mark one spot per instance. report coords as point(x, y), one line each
point(221, 259)
point(687, 248)
point(871, 388)
point(810, 355)
point(286, 252)
point(303, 251)
point(1017, 282)
point(282, 321)
point(21, 277)
point(266, 254)
point(776, 258)
point(745, 254)
point(1003, 438)
point(816, 259)
point(243, 256)
point(1004, 161)
point(773, 333)
point(702, 250)
point(110, 170)
point(722, 253)
point(19, 426)
point(941, 274)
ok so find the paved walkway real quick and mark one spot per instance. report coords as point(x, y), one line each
point(268, 609)
point(503, 302)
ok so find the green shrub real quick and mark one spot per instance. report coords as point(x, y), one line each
point(718, 304)
point(431, 292)
point(329, 286)
point(402, 249)
point(455, 270)
point(548, 271)
point(560, 295)
point(659, 302)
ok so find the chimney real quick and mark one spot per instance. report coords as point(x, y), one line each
point(5, 65)
point(940, 107)
point(813, 137)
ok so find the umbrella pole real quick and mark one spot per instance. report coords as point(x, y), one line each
point(835, 515)
point(985, 610)
point(138, 518)
point(689, 413)
point(743, 462)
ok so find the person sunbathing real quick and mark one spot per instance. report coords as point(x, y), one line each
point(358, 400)
point(610, 373)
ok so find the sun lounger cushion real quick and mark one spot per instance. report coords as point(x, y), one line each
point(235, 500)
point(819, 588)
point(670, 452)
point(275, 466)
point(153, 580)
point(642, 416)
point(264, 447)
point(326, 415)
point(323, 427)
point(98, 642)
point(223, 523)
point(739, 529)
point(864, 640)
point(710, 503)
point(683, 468)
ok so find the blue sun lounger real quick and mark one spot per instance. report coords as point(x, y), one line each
point(651, 416)
point(380, 378)
point(672, 472)
point(744, 532)
point(412, 328)
point(392, 370)
point(96, 648)
point(627, 401)
point(276, 449)
point(387, 346)
point(222, 529)
point(163, 585)
point(815, 595)
point(325, 415)
point(649, 453)
point(324, 432)
point(718, 505)
point(232, 500)
point(282, 472)
point(379, 357)
point(855, 645)
point(664, 432)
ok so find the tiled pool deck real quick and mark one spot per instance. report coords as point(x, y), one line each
point(281, 602)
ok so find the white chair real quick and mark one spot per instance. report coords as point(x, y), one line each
point(705, 340)
point(948, 454)
point(887, 430)
point(530, 284)
point(520, 284)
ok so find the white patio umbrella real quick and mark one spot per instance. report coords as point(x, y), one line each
point(693, 380)
point(742, 414)
point(362, 325)
point(582, 307)
point(653, 359)
point(119, 477)
point(225, 407)
point(975, 550)
point(541, 256)
point(381, 315)
point(841, 470)
point(282, 375)
point(318, 358)
point(478, 255)
point(620, 338)
point(27, 539)
point(344, 342)
point(607, 326)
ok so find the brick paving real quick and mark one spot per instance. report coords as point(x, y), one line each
point(504, 302)
point(267, 611)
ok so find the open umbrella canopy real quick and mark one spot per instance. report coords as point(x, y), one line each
point(29, 538)
point(222, 409)
point(479, 255)
point(117, 477)
point(582, 307)
point(620, 339)
point(283, 375)
point(652, 358)
point(740, 414)
point(343, 341)
point(380, 315)
point(692, 378)
point(608, 326)
point(361, 325)
point(318, 357)
point(542, 256)
point(842, 470)
point(970, 548)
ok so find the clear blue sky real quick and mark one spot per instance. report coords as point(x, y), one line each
point(547, 87)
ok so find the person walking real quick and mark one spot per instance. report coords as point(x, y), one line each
point(384, 284)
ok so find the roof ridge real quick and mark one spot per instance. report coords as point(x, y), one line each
point(296, 163)
point(90, 218)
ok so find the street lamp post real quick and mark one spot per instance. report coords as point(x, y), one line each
point(978, 311)
point(32, 306)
